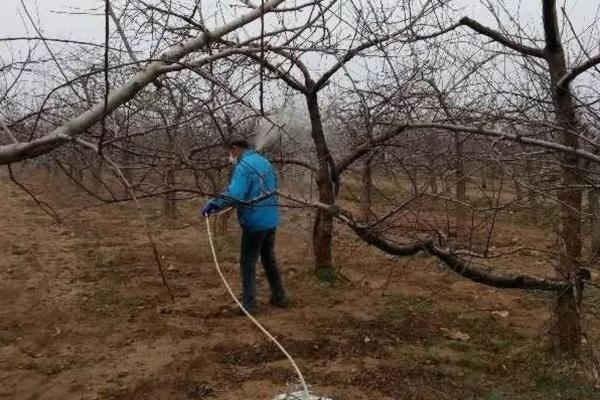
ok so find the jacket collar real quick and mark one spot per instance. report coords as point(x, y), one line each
point(246, 153)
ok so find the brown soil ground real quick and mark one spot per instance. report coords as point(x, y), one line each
point(83, 315)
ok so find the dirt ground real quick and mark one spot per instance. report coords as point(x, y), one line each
point(84, 315)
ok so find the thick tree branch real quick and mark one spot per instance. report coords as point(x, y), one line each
point(350, 54)
point(500, 38)
point(367, 146)
point(436, 34)
point(289, 161)
point(283, 75)
point(578, 70)
point(22, 151)
point(551, 28)
point(508, 136)
point(385, 245)
point(124, 93)
point(450, 260)
point(477, 274)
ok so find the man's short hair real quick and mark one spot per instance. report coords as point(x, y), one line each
point(237, 142)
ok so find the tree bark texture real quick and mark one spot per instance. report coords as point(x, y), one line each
point(323, 227)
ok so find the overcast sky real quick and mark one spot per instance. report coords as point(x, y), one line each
point(70, 19)
point(56, 22)
point(53, 22)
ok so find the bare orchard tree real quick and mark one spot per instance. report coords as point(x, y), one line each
point(533, 105)
point(570, 130)
point(534, 125)
point(340, 35)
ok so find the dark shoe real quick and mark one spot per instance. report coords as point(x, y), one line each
point(235, 311)
point(251, 311)
point(282, 303)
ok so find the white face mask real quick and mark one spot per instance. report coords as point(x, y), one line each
point(232, 159)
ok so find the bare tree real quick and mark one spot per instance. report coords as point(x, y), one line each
point(568, 313)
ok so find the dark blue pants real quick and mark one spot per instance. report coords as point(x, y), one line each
point(254, 244)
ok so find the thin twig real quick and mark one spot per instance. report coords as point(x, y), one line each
point(138, 205)
point(45, 207)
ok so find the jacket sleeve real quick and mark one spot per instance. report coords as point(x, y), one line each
point(236, 192)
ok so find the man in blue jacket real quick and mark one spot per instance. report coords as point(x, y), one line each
point(252, 190)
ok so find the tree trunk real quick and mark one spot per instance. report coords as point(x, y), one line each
point(531, 195)
point(484, 178)
point(126, 167)
point(518, 191)
point(461, 186)
point(170, 204)
point(367, 184)
point(567, 327)
point(593, 198)
point(433, 183)
point(323, 228)
point(96, 173)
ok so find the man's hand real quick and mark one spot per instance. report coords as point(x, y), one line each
point(208, 209)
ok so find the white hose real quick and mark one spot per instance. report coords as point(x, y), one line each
point(263, 329)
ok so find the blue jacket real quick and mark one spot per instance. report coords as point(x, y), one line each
point(253, 177)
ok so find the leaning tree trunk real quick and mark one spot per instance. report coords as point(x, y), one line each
point(323, 227)
point(567, 318)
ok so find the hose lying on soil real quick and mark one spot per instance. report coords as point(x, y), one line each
point(254, 321)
